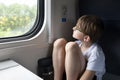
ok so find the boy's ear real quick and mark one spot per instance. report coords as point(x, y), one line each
point(86, 38)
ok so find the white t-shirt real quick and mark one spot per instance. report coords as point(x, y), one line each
point(95, 59)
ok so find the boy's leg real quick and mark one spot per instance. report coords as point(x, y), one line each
point(59, 58)
point(74, 62)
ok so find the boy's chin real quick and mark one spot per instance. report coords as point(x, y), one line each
point(74, 37)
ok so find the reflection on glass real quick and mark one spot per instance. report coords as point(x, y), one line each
point(17, 17)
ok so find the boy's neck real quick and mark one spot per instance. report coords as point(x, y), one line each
point(86, 44)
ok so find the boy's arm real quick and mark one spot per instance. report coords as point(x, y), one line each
point(88, 75)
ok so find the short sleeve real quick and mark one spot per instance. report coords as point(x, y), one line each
point(96, 61)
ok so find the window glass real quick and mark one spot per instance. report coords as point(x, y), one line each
point(17, 17)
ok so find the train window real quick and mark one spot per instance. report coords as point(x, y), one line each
point(18, 18)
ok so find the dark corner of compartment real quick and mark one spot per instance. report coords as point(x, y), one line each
point(109, 11)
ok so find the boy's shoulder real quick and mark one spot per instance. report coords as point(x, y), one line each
point(96, 47)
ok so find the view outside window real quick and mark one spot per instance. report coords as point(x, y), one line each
point(17, 17)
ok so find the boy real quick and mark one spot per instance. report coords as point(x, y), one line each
point(84, 58)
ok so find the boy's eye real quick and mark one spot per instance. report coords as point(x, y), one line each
point(79, 30)
point(76, 28)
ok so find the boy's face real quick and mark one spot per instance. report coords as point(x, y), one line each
point(77, 34)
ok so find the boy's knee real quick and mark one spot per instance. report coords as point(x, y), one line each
point(71, 45)
point(60, 42)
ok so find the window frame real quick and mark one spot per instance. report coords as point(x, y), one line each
point(36, 27)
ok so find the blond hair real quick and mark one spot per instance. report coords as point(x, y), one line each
point(91, 25)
